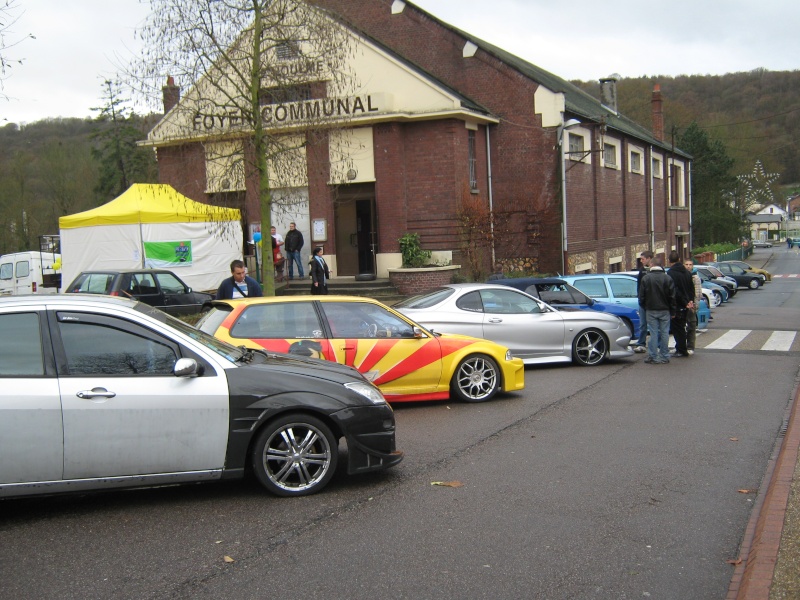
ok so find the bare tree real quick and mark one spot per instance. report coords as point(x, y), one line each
point(8, 38)
point(266, 77)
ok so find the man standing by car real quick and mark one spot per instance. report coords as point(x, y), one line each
point(644, 265)
point(657, 296)
point(238, 285)
point(684, 301)
point(691, 314)
point(293, 245)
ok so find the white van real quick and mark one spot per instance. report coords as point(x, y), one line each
point(30, 273)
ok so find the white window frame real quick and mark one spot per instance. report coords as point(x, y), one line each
point(659, 172)
point(678, 199)
point(586, 156)
point(617, 145)
point(636, 150)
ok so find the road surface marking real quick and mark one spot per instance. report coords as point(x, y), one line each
point(729, 340)
point(780, 340)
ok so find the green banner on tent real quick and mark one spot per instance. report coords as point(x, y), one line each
point(162, 255)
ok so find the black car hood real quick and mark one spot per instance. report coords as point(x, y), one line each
point(292, 364)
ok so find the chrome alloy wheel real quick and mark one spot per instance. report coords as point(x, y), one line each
point(590, 348)
point(477, 378)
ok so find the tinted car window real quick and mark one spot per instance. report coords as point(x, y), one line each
point(426, 300)
point(143, 284)
point(97, 347)
point(623, 287)
point(20, 345)
point(170, 284)
point(93, 283)
point(471, 302)
point(507, 302)
point(278, 321)
point(594, 288)
point(364, 320)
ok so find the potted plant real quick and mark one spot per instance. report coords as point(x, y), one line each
point(418, 274)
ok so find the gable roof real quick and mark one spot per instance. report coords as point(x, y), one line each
point(577, 102)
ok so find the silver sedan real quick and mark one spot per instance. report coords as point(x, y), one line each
point(530, 328)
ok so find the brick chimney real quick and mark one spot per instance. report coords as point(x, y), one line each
point(172, 94)
point(658, 113)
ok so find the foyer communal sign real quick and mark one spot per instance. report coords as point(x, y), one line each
point(290, 112)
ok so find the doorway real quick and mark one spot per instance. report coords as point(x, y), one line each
point(356, 229)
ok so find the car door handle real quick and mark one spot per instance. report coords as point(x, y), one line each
point(348, 347)
point(495, 320)
point(97, 392)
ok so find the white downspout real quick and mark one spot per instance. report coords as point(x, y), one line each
point(652, 206)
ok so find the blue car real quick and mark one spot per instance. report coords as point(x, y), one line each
point(562, 296)
point(618, 288)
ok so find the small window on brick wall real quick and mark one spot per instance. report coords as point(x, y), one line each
point(657, 166)
point(636, 160)
point(611, 153)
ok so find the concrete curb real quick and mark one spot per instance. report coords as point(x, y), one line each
point(753, 575)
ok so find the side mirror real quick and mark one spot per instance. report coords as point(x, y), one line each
point(186, 367)
point(418, 332)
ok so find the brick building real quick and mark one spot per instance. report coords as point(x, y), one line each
point(441, 120)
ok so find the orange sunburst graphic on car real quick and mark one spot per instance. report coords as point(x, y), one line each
point(400, 363)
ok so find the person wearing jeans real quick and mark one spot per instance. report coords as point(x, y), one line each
point(293, 245)
point(657, 295)
point(644, 264)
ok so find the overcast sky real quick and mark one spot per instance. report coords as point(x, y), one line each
point(79, 43)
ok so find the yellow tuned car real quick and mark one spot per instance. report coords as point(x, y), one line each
point(405, 360)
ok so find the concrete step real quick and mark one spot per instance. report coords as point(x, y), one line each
point(381, 290)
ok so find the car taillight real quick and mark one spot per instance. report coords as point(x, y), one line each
point(114, 294)
point(33, 287)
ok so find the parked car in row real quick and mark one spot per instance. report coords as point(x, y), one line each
point(714, 275)
point(101, 393)
point(746, 279)
point(618, 288)
point(747, 267)
point(533, 330)
point(560, 295)
point(159, 288)
point(762, 244)
point(406, 361)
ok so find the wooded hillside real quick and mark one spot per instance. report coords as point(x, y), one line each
point(756, 115)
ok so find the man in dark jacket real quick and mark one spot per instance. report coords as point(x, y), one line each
point(684, 301)
point(293, 244)
point(657, 296)
point(643, 266)
point(238, 285)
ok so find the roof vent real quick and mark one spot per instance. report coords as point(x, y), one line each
point(608, 91)
point(398, 6)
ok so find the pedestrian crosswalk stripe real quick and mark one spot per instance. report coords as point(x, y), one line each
point(780, 340)
point(729, 340)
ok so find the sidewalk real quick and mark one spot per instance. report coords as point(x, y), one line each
point(769, 561)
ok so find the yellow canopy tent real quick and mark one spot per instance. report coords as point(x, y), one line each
point(153, 225)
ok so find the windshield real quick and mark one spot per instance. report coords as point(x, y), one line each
point(223, 349)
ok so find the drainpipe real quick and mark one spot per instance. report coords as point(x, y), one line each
point(491, 197)
point(562, 158)
point(689, 202)
point(652, 206)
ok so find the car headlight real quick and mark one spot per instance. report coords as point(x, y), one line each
point(509, 355)
point(369, 391)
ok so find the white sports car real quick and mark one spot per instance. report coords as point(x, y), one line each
point(530, 328)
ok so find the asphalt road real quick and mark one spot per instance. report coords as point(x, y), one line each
point(619, 481)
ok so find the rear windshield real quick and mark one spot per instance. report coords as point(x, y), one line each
point(92, 283)
point(426, 300)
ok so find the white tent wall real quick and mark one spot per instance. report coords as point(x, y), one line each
point(212, 251)
point(120, 247)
